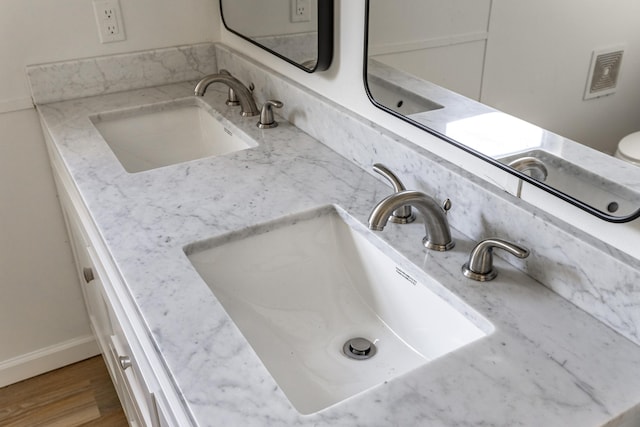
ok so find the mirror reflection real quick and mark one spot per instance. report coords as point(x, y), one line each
point(504, 79)
point(300, 32)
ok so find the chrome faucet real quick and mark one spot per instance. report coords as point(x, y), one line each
point(437, 231)
point(535, 168)
point(248, 106)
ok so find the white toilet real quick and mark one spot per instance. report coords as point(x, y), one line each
point(629, 148)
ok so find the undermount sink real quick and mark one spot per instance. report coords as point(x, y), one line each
point(162, 135)
point(398, 99)
point(300, 288)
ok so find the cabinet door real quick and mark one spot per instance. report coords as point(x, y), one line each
point(91, 283)
point(141, 402)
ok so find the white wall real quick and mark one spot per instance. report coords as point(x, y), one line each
point(42, 320)
point(40, 305)
point(538, 58)
point(443, 42)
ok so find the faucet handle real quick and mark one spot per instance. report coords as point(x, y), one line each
point(232, 98)
point(480, 265)
point(266, 115)
point(446, 205)
point(404, 214)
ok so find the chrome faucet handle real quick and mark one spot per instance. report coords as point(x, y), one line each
point(404, 214)
point(480, 265)
point(266, 115)
point(232, 98)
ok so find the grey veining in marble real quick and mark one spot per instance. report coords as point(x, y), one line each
point(547, 363)
point(97, 76)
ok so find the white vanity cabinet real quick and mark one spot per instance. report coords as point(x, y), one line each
point(144, 389)
point(136, 397)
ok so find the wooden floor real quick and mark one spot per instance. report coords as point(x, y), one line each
point(77, 395)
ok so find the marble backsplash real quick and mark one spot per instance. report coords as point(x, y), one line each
point(115, 73)
point(594, 276)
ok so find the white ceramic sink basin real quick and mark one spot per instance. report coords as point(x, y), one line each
point(153, 137)
point(300, 288)
point(398, 99)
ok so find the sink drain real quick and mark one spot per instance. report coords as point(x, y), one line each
point(359, 348)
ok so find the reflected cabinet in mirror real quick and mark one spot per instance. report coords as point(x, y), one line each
point(301, 33)
point(544, 90)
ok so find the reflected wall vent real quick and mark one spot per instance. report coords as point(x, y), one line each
point(603, 72)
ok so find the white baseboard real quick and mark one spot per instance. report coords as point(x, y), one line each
point(47, 359)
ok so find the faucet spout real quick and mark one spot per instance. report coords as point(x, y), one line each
point(247, 104)
point(437, 231)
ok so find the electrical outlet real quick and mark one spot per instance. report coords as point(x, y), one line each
point(300, 10)
point(109, 20)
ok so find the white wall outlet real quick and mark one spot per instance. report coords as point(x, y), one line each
point(300, 10)
point(109, 20)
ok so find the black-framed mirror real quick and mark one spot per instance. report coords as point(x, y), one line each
point(429, 62)
point(297, 31)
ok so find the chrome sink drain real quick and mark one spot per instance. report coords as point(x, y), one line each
point(359, 349)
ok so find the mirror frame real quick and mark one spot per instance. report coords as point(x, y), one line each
point(325, 14)
point(563, 196)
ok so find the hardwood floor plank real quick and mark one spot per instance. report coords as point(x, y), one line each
point(77, 395)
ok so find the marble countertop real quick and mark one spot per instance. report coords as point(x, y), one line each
point(546, 364)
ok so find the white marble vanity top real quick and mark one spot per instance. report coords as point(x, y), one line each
point(546, 364)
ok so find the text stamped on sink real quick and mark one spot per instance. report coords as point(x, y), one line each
point(406, 276)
